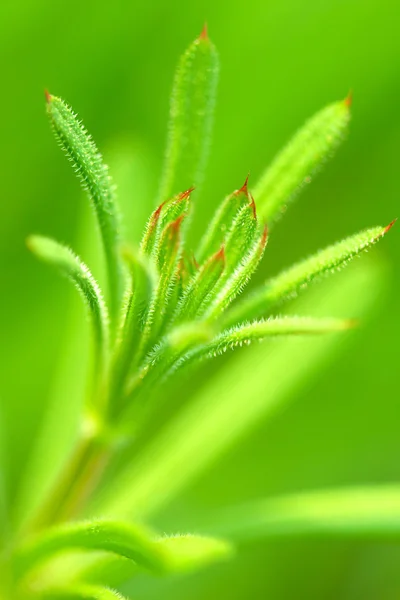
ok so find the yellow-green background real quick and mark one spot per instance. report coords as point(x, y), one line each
point(281, 61)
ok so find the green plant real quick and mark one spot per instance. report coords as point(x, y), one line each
point(165, 311)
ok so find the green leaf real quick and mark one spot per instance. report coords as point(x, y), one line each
point(257, 331)
point(81, 592)
point(191, 117)
point(359, 512)
point(62, 258)
point(216, 232)
point(93, 174)
point(295, 279)
point(129, 541)
point(200, 286)
point(143, 280)
point(158, 554)
point(169, 255)
point(238, 280)
point(278, 369)
point(172, 348)
point(297, 163)
point(240, 237)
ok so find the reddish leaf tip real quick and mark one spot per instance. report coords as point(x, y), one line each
point(349, 99)
point(175, 225)
point(244, 189)
point(186, 194)
point(253, 206)
point(220, 255)
point(47, 96)
point(264, 237)
point(194, 261)
point(204, 33)
point(389, 227)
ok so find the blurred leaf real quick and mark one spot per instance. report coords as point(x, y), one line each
point(72, 267)
point(226, 408)
point(191, 117)
point(297, 163)
point(295, 279)
point(361, 512)
point(3, 488)
point(165, 554)
point(93, 174)
point(81, 592)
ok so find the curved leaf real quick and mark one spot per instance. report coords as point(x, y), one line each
point(93, 174)
point(73, 268)
point(159, 555)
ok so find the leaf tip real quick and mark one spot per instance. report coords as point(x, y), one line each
point(186, 194)
point(264, 237)
point(47, 96)
point(253, 206)
point(389, 227)
point(244, 189)
point(348, 101)
point(204, 33)
point(220, 254)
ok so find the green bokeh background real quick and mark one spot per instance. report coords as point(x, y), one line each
point(281, 61)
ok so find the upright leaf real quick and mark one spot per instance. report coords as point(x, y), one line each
point(297, 163)
point(93, 174)
point(295, 279)
point(142, 284)
point(217, 230)
point(168, 256)
point(191, 117)
point(200, 286)
point(74, 269)
point(236, 283)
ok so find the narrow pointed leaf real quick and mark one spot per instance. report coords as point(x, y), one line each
point(169, 254)
point(142, 284)
point(222, 221)
point(149, 239)
point(240, 237)
point(74, 269)
point(200, 286)
point(361, 512)
point(191, 117)
point(81, 592)
point(238, 280)
point(257, 331)
point(93, 174)
point(295, 279)
point(247, 333)
point(298, 162)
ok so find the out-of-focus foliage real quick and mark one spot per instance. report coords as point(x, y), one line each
point(280, 63)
